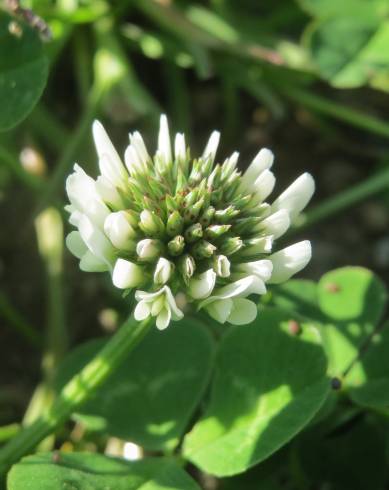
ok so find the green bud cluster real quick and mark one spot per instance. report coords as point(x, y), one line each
point(193, 213)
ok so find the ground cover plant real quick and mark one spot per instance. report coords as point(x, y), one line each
point(195, 244)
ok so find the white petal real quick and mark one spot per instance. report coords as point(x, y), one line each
point(201, 286)
point(164, 147)
point(290, 260)
point(147, 297)
point(109, 193)
point(261, 246)
point(241, 288)
point(163, 319)
point(133, 162)
point(296, 196)
point(243, 311)
point(276, 224)
point(211, 148)
point(75, 217)
point(158, 305)
point(119, 231)
point(261, 162)
point(83, 195)
point(163, 271)
point(104, 146)
point(126, 274)
point(91, 263)
point(139, 146)
point(261, 268)
point(179, 147)
point(142, 311)
point(169, 304)
point(96, 241)
point(177, 314)
point(264, 185)
point(75, 244)
point(114, 173)
point(220, 310)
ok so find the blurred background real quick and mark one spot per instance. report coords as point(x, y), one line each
point(307, 78)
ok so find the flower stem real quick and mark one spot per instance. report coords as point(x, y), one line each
point(332, 108)
point(76, 391)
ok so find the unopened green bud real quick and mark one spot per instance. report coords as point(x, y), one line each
point(190, 198)
point(215, 231)
point(245, 225)
point(136, 190)
point(207, 215)
point(231, 185)
point(203, 249)
point(171, 203)
point(132, 217)
point(150, 223)
point(206, 166)
point(231, 245)
point(216, 195)
point(193, 211)
point(175, 224)
point(187, 266)
point(181, 179)
point(225, 215)
point(229, 166)
point(156, 188)
point(242, 201)
point(193, 233)
point(202, 188)
point(176, 245)
point(214, 179)
point(196, 173)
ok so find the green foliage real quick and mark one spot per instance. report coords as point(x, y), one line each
point(348, 302)
point(368, 380)
point(353, 299)
point(84, 471)
point(23, 71)
point(259, 401)
point(352, 459)
point(269, 420)
point(152, 396)
point(348, 42)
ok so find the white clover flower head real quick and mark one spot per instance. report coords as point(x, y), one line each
point(185, 231)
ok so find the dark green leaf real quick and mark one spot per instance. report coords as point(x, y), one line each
point(87, 471)
point(350, 459)
point(152, 396)
point(299, 296)
point(368, 380)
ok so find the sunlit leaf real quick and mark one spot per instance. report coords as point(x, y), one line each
point(151, 397)
point(87, 471)
point(269, 383)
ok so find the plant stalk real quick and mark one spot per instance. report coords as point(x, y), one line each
point(76, 391)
